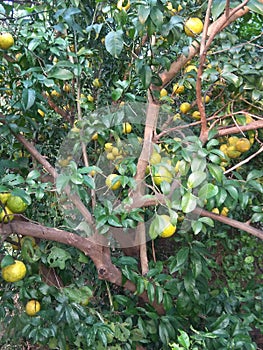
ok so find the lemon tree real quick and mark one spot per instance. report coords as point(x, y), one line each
point(104, 152)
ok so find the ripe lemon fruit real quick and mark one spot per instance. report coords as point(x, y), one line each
point(95, 136)
point(14, 272)
point(185, 107)
point(6, 41)
point(243, 145)
point(6, 215)
point(190, 68)
point(155, 158)
point(110, 183)
point(96, 83)
point(40, 112)
point(55, 93)
point(16, 204)
point(224, 211)
point(163, 92)
point(162, 174)
point(206, 99)
point(32, 307)
point(4, 197)
point(123, 5)
point(178, 89)
point(66, 87)
point(169, 229)
point(232, 152)
point(215, 211)
point(196, 115)
point(126, 128)
point(193, 26)
point(232, 140)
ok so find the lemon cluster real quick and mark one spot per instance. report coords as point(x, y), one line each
point(10, 205)
point(235, 146)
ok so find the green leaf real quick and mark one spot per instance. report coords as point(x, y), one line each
point(114, 43)
point(215, 171)
point(197, 227)
point(156, 16)
point(181, 259)
point(207, 191)
point(116, 94)
point(150, 292)
point(183, 339)
point(7, 260)
point(218, 7)
point(232, 191)
point(61, 182)
point(143, 13)
point(207, 221)
point(189, 202)
point(58, 257)
point(256, 6)
point(146, 76)
point(195, 179)
point(232, 78)
point(28, 98)
point(89, 181)
point(60, 73)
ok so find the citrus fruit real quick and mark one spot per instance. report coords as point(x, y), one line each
point(243, 145)
point(40, 112)
point(96, 83)
point(6, 215)
point(55, 93)
point(6, 41)
point(4, 197)
point(206, 99)
point(123, 5)
point(224, 211)
point(169, 229)
point(185, 107)
point(110, 156)
point(190, 68)
point(66, 87)
point(215, 211)
point(155, 158)
point(232, 152)
point(14, 272)
point(178, 89)
point(95, 136)
point(108, 147)
point(110, 183)
point(163, 93)
point(162, 174)
point(32, 307)
point(193, 26)
point(16, 204)
point(196, 115)
point(126, 128)
point(232, 140)
point(90, 98)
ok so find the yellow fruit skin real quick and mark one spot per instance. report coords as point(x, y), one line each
point(193, 26)
point(4, 197)
point(185, 107)
point(162, 175)
point(163, 93)
point(6, 215)
point(126, 128)
point(33, 307)
point(196, 115)
point(6, 41)
point(224, 211)
point(16, 204)
point(232, 152)
point(14, 272)
point(109, 182)
point(169, 228)
point(215, 211)
point(178, 89)
point(243, 145)
point(232, 140)
point(155, 158)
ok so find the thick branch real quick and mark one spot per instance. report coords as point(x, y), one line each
point(106, 270)
point(257, 124)
point(215, 28)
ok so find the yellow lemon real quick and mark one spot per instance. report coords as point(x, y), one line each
point(90, 98)
point(55, 93)
point(110, 183)
point(6, 41)
point(196, 115)
point(215, 211)
point(155, 158)
point(126, 128)
point(206, 99)
point(6, 215)
point(4, 197)
point(224, 211)
point(185, 107)
point(123, 5)
point(162, 174)
point(163, 92)
point(193, 26)
point(232, 152)
point(96, 83)
point(32, 307)
point(169, 229)
point(66, 87)
point(243, 145)
point(14, 272)
point(95, 137)
point(110, 156)
point(178, 89)
point(108, 147)
point(16, 204)
point(232, 140)
point(190, 68)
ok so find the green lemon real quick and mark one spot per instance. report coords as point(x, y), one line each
point(16, 204)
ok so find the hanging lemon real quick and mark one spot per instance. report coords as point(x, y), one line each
point(14, 272)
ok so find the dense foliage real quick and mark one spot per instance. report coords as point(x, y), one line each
point(94, 88)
